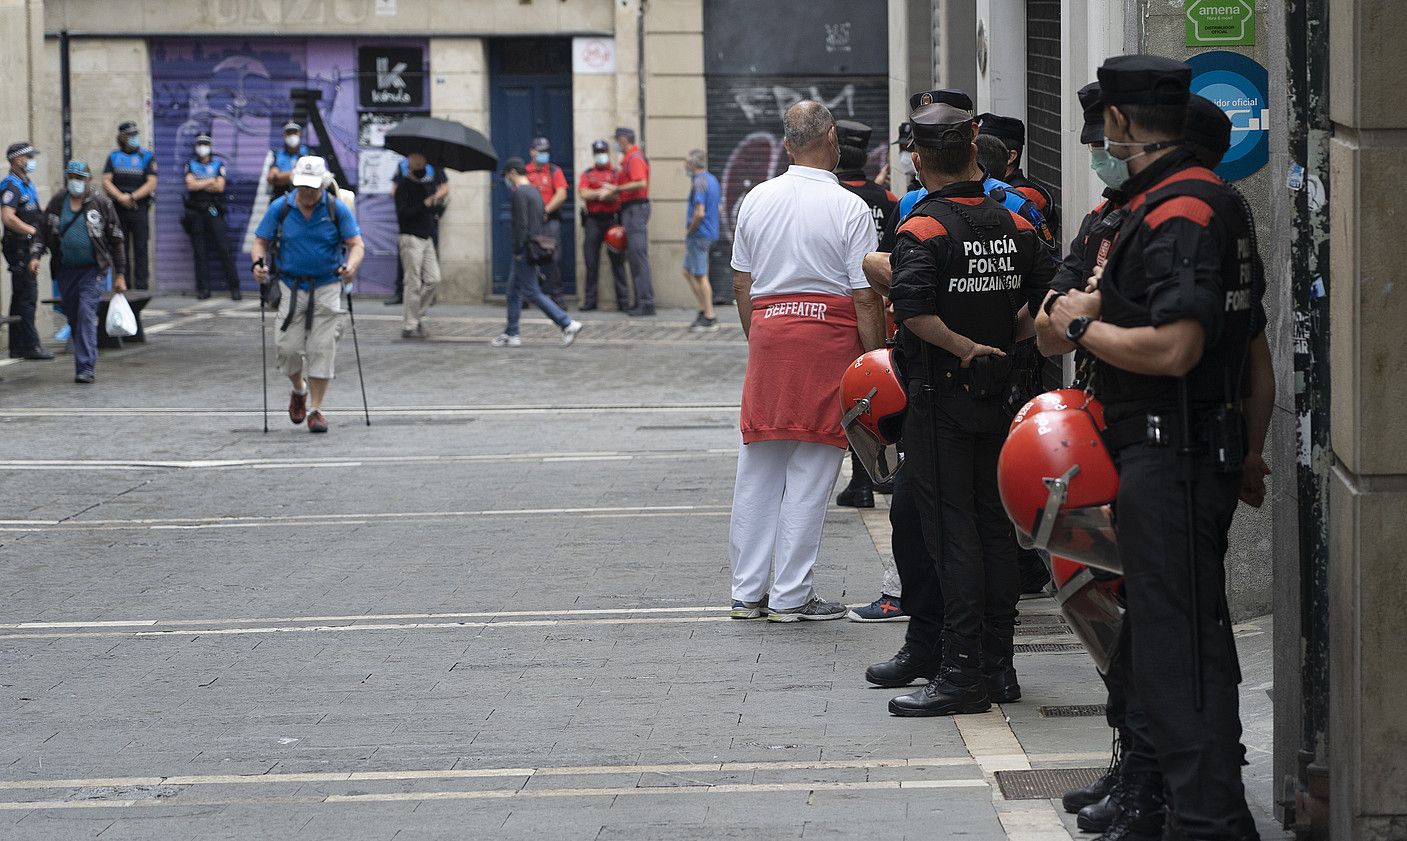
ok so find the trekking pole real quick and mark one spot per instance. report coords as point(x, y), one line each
point(264, 356)
point(357, 349)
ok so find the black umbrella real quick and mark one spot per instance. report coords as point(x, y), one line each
point(444, 143)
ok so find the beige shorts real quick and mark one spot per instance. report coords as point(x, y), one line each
point(315, 350)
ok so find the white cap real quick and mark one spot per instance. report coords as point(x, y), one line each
point(309, 171)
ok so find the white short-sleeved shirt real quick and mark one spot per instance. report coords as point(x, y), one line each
point(803, 232)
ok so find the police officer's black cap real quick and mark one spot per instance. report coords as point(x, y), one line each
point(1010, 130)
point(1144, 80)
point(127, 127)
point(539, 143)
point(1092, 102)
point(515, 165)
point(599, 146)
point(940, 124)
point(851, 133)
point(906, 134)
point(19, 150)
point(1207, 128)
point(944, 96)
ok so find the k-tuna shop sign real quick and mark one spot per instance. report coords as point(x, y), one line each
point(391, 78)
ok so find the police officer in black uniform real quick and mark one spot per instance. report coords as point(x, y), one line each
point(129, 178)
point(1169, 322)
point(964, 269)
point(854, 139)
point(204, 219)
point(1012, 133)
point(21, 214)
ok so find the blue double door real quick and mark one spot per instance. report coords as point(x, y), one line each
point(530, 83)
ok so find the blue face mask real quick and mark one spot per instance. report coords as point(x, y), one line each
point(1109, 169)
point(31, 166)
point(77, 187)
point(134, 142)
point(542, 157)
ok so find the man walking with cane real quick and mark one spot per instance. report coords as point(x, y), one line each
point(309, 241)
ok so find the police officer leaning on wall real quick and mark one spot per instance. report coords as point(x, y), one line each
point(129, 179)
point(204, 220)
point(21, 215)
point(965, 273)
point(1169, 322)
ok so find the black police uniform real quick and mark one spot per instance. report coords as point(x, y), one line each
point(1185, 253)
point(1012, 132)
point(129, 172)
point(204, 221)
point(21, 195)
point(967, 259)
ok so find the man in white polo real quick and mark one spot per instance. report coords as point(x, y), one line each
point(807, 312)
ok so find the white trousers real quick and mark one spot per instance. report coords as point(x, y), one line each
point(779, 509)
point(421, 268)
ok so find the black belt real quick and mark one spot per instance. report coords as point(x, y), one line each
point(626, 204)
point(1159, 430)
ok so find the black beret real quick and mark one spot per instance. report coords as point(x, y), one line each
point(1208, 129)
point(1144, 80)
point(851, 133)
point(940, 125)
point(946, 96)
point(1007, 128)
point(1092, 101)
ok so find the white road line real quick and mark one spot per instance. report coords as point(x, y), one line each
point(483, 773)
point(361, 617)
point(354, 461)
point(285, 520)
point(180, 322)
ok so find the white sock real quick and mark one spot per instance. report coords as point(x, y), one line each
point(301, 391)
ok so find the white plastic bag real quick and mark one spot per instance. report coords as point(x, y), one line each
point(121, 321)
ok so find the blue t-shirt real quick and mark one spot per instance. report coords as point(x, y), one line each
point(76, 247)
point(704, 190)
point(311, 247)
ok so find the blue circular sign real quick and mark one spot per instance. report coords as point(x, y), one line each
point(1240, 87)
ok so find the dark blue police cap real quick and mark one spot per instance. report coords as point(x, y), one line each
point(852, 133)
point(945, 96)
point(1010, 130)
point(1144, 80)
point(1092, 102)
point(940, 124)
point(599, 146)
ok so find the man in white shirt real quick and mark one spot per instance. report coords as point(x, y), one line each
point(807, 312)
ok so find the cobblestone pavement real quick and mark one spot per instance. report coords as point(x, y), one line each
point(498, 612)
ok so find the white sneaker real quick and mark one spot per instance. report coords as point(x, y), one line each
point(506, 340)
point(569, 332)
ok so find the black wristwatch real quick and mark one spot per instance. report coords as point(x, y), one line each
point(1077, 327)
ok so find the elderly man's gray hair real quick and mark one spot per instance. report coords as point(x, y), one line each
point(697, 159)
point(805, 124)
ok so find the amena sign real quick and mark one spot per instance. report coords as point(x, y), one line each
point(391, 77)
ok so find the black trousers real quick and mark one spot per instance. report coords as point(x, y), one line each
point(1198, 751)
point(971, 537)
point(552, 272)
point(24, 297)
point(208, 235)
point(918, 572)
point(136, 227)
point(593, 236)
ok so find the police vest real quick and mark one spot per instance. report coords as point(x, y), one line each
point(880, 201)
point(129, 170)
point(978, 291)
point(23, 196)
point(1016, 201)
point(594, 179)
point(202, 199)
point(283, 162)
point(1220, 376)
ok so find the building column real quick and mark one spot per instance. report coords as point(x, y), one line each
point(459, 90)
point(22, 66)
point(1368, 489)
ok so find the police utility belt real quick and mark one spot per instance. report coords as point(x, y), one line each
point(1219, 433)
point(986, 378)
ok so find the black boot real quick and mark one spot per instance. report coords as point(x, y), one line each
point(1101, 814)
point(997, 669)
point(902, 669)
point(1142, 811)
point(1079, 798)
point(1034, 574)
point(860, 492)
point(957, 690)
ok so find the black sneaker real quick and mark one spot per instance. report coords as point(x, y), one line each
point(641, 311)
point(886, 608)
point(704, 324)
point(84, 377)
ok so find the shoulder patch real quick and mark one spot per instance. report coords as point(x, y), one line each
point(1180, 207)
point(1022, 223)
point(923, 228)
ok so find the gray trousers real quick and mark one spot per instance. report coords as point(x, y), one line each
point(636, 219)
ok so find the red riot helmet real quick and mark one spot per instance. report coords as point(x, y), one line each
point(1057, 479)
point(1092, 606)
point(615, 238)
point(874, 401)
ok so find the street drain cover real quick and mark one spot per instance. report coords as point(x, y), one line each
point(1045, 783)
point(1047, 647)
point(1072, 711)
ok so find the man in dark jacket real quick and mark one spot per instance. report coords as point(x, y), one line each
point(524, 280)
point(81, 228)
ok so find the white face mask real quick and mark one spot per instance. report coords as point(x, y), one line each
point(202, 150)
point(292, 140)
point(906, 163)
point(602, 159)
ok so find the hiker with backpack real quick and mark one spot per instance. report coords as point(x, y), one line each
point(308, 241)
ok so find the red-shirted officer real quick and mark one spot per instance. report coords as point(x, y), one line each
point(551, 182)
point(597, 188)
point(633, 190)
